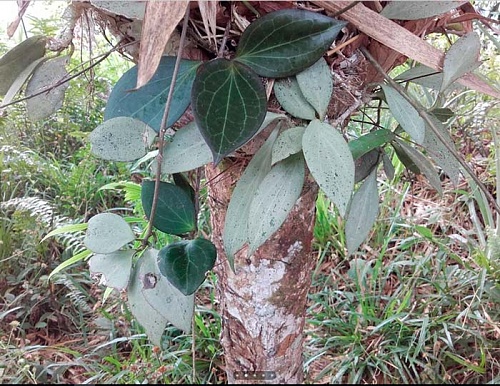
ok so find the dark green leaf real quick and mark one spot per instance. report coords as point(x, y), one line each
point(147, 104)
point(443, 114)
point(405, 158)
point(229, 105)
point(175, 212)
point(365, 164)
point(370, 141)
point(388, 167)
point(186, 262)
point(285, 42)
point(182, 182)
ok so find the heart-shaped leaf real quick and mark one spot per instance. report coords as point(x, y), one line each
point(175, 211)
point(274, 199)
point(147, 104)
point(115, 268)
point(229, 105)
point(289, 95)
point(316, 84)
point(15, 61)
point(362, 213)
point(186, 262)
point(154, 302)
point(107, 232)
point(235, 225)
point(121, 139)
point(330, 162)
point(285, 42)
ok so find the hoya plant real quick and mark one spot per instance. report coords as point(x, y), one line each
point(262, 167)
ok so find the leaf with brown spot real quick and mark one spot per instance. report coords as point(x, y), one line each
point(160, 21)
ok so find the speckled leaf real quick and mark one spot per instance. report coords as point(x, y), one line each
point(405, 114)
point(414, 10)
point(115, 268)
point(316, 84)
point(274, 199)
point(330, 161)
point(229, 105)
point(285, 42)
point(175, 212)
point(186, 262)
point(154, 302)
point(130, 9)
point(461, 58)
point(147, 104)
point(362, 214)
point(15, 61)
point(107, 232)
point(235, 225)
point(45, 77)
point(121, 139)
point(290, 97)
point(289, 142)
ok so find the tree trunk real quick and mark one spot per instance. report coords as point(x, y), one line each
point(263, 304)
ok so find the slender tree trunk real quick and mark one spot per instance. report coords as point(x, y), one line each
point(263, 303)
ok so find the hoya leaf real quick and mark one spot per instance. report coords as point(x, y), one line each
point(362, 214)
point(461, 58)
point(443, 114)
point(405, 158)
point(285, 42)
point(388, 167)
point(274, 199)
point(47, 76)
point(405, 114)
point(147, 104)
point(15, 61)
point(365, 164)
point(121, 139)
point(289, 142)
point(115, 268)
point(130, 9)
point(370, 141)
point(229, 105)
point(154, 301)
point(185, 263)
point(175, 211)
point(423, 164)
point(188, 150)
point(440, 153)
point(290, 97)
point(182, 182)
point(19, 81)
point(422, 75)
point(235, 224)
point(107, 232)
point(316, 84)
point(414, 10)
point(330, 161)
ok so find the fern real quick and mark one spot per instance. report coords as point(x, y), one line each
point(76, 293)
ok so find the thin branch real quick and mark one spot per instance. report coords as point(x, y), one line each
point(163, 130)
point(423, 114)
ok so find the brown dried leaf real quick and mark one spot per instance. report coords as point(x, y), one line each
point(22, 7)
point(401, 40)
point(160, 21)
point(208, 10)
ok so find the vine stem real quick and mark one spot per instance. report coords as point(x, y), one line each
point(423, 114)
point(163, 130)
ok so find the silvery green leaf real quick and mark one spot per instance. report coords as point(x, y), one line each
point(107, 233)
point(289, 142)
point(290, 97)
point(115, 268)
point(414, 10)
point(316, 84)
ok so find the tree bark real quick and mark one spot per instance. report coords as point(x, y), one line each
point(263, 303)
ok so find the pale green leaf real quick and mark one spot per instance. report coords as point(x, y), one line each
point(130, 9)
point(121, 139)
point(289, 142)
point(47, 76)
point(330, 161)
point(107, 232)
point(235, 224)
point(274, 199)
point(414, 10)
point(405, 114)
point(115, 268)
point(461, 58)
point(154, 302)
point(290, 97)
point(362, 214)
point(316, 84)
